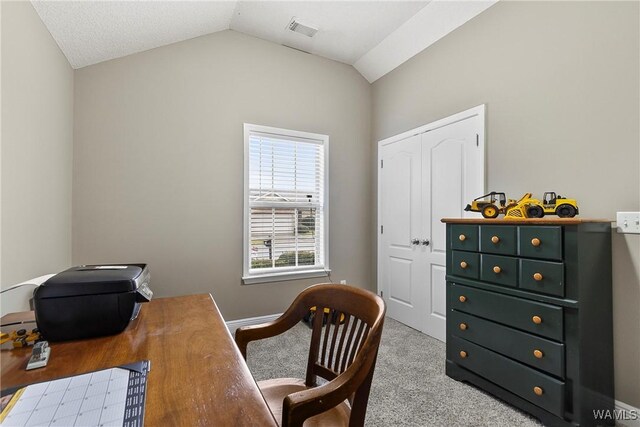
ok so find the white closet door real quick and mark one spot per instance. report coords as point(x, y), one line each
point(428, 173)
point(451, 177)
point(401, 269)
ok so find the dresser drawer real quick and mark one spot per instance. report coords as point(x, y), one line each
point(540, 242)
point(465, 264)
point(534, 351)
point(498, 239)
point(464, 237)
point(542, 276)
point(499, 269)
point(530, 316)
point(536, 387)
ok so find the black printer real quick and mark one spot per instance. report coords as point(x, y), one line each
point(90, 300)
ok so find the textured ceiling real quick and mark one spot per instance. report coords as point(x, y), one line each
point(373, 35)
point(347, 29)
point(89, 32)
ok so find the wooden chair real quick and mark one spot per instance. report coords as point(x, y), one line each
point(343, 352)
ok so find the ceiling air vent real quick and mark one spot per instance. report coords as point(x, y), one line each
point(301, 28)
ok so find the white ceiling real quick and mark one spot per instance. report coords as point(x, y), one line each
point(374, 36)
point(347, 29)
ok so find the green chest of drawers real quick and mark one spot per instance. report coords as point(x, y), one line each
point(529, 314)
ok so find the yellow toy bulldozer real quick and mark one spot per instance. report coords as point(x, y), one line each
point(552, 204)
point(521, 208)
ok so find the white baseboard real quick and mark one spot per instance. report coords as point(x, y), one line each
point(628, 416)
point(232, 325)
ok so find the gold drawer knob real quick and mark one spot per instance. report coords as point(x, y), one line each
point(463, 265)
point(463, 354)
point(495, 240)
point(462, 298)
point(535, 242)
point(538, 391)
point(462, 237)
point(536, 319)
point(538, 354)
point(537, 277)
point(497, 269)
point(463, 326)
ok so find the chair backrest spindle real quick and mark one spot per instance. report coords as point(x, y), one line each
point(338, 335)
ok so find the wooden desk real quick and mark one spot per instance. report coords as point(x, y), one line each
point(197, 377)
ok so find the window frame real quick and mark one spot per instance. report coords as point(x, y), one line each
point(270, 275)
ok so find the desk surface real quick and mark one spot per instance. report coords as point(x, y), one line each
point(197, 377)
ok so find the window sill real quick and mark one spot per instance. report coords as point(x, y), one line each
point(280, 277)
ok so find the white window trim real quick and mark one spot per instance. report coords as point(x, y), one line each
point(298, 273)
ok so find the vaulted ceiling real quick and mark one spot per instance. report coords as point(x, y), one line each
point(373, 36)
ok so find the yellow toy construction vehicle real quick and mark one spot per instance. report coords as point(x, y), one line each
point(552, 204)
point(20, 338)
point(558, 205)
point(496, 205)
point(308, 318)
point(521, 208)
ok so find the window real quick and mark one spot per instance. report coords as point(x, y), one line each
point(285, 209)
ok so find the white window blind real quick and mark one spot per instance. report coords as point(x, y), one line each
point(286, 201)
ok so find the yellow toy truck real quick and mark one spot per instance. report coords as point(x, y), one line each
point(551, 204)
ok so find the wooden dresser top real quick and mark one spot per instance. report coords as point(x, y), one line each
point(521, 221)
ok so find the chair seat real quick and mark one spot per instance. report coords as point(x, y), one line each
point(275, 390)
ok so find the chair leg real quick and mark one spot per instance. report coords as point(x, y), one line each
point(360, 399)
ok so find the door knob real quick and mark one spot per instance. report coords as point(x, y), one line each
point(415, 241)
point(425, 242)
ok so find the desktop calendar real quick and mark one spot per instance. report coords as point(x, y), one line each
point(110, 397)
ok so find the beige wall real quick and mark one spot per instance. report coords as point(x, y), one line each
point(561, 85)
point(37, 139)
point(158, 162)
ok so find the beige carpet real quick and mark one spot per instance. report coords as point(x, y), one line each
point(409, 386)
